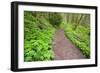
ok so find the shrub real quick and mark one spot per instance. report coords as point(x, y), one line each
point(55, 19)
point(37, 41)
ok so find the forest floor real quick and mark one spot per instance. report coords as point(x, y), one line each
point(64, 49)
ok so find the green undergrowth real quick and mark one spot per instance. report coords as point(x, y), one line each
point(38, 37)
point(80, 37)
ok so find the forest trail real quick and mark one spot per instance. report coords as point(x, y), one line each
point(64, 49)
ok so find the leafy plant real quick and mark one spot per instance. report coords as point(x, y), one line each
point(38, 37)
point(80, 37)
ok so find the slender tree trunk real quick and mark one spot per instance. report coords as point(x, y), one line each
point(78, 21)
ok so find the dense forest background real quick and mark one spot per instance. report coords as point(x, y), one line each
point(40, 27)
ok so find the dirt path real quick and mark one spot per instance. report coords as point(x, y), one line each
point(64, 49)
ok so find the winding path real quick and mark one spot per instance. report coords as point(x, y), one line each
point(64, 49)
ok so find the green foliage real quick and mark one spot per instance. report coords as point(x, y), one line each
point(39, 33)
point(55, 19)
point(80, 37)
point(38, 37)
